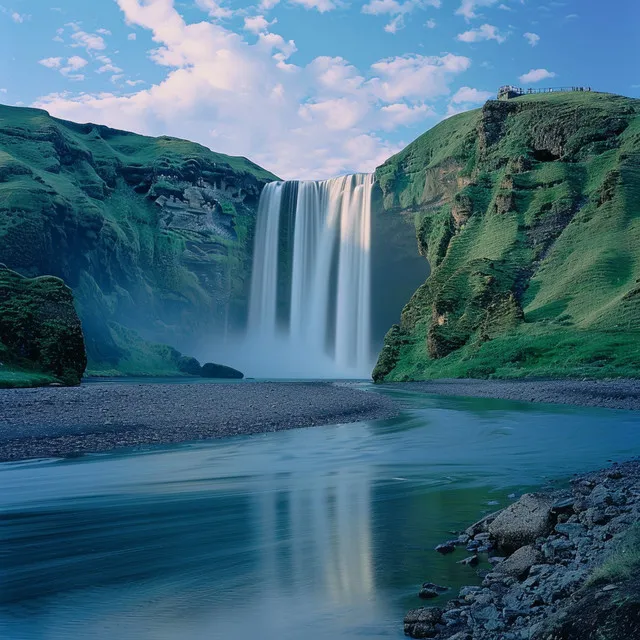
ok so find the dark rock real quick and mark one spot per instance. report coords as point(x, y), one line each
point(564, 505)
point(211, 370)
point(522, 522)
point(471, 561)
point(518, 564)
point(446, 547)
point(428, 594)
point(190, 366)
point(435, 587)
point(570, 530)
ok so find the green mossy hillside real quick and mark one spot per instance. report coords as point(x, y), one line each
point(528, 212)
point(40, 334)
point(152, 234)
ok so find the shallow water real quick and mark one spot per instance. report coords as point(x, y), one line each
point(322, 533)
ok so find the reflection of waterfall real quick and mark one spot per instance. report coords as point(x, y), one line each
point(317, 538)
point(311, 287)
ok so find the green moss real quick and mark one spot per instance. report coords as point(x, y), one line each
point(532, 236)
point(86, 203)
point(623, 563)
point(40, 335)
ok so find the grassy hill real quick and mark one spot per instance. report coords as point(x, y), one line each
point(528, 212)
point(154, 235)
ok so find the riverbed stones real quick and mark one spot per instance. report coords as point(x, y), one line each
point(542, 590)
point(524, 521)
point(518, 564)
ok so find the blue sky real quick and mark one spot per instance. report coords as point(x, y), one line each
point(306, 88)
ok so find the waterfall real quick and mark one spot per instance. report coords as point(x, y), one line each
point(310, 303)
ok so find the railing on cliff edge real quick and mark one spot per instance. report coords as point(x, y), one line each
point(507, 92)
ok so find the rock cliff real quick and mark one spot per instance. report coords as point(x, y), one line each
point(527, 211)
point(154, 235)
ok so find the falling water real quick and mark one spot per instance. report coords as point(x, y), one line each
point(311, 288)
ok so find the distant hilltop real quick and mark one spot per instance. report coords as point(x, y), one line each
point(507, 92)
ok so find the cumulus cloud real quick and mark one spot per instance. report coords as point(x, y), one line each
point(430, 24)
point(257, 24)
point(396, 9)
point(468, 7)
point(532, 38)
point(536, 75)
point(469, 95)
point(484, 32)
point(88, 41)
point(51, 63)
point(301, 121)
point(402, 114)
point(132, 36)
point(214, 9)
point(107, 65)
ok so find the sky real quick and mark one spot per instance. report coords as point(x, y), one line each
point(308, 89)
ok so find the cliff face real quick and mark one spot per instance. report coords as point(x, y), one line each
point(528, 213)
point(152, 234)
point(40, 333)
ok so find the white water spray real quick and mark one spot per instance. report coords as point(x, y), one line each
point(322, 282)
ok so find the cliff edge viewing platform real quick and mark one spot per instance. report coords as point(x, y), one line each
point(508, 92)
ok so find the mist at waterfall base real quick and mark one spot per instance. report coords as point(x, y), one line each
point(310, 302)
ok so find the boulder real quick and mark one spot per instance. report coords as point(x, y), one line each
point(40, 331)
point(522, 522)
point(212, 370)
point(420, 623)
point(518, 564)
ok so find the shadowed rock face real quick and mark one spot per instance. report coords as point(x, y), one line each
point(39, 329)
point(152, 234)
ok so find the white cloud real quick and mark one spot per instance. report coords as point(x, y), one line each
point(265, 5)
point(532, 38)
point(300, 121)
point(214, 9)
point(132, 36)
point(104, 32)
point(397, 9)
point(89, 41)
point(76, 62)
point(395, 24)
point(430, 24)
point(51, 63)
point(319, 5)
point(484, 32)
point(415, 76)
point(19, 18)
point(3, 90)
point(401, 114)
point(536, 75)
point(134, 83)
point(468, 7)
point(257, 24)
point(469, 95)
point(107, 65)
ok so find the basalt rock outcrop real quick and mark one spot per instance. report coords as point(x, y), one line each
point(40, 334)
point(527, 213)
point(154, 235)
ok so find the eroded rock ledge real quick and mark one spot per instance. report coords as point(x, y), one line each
point(565, 566)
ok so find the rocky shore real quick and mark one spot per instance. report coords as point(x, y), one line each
point(56, 422)
point(561, 565)
point(611, 394)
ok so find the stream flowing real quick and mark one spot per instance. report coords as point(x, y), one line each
point(319, 533)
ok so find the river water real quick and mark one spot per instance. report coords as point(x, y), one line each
point(317, 534)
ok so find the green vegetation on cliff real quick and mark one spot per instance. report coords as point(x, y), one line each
point(40, 334)
point(152, 234)
point(528, 212)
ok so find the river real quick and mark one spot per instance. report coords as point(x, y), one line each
point(323, 533)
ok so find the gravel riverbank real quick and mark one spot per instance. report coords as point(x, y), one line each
point(50, 422)
point(611, 394)
point(560, 565)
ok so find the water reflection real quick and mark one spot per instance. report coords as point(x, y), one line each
point(318, 533)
